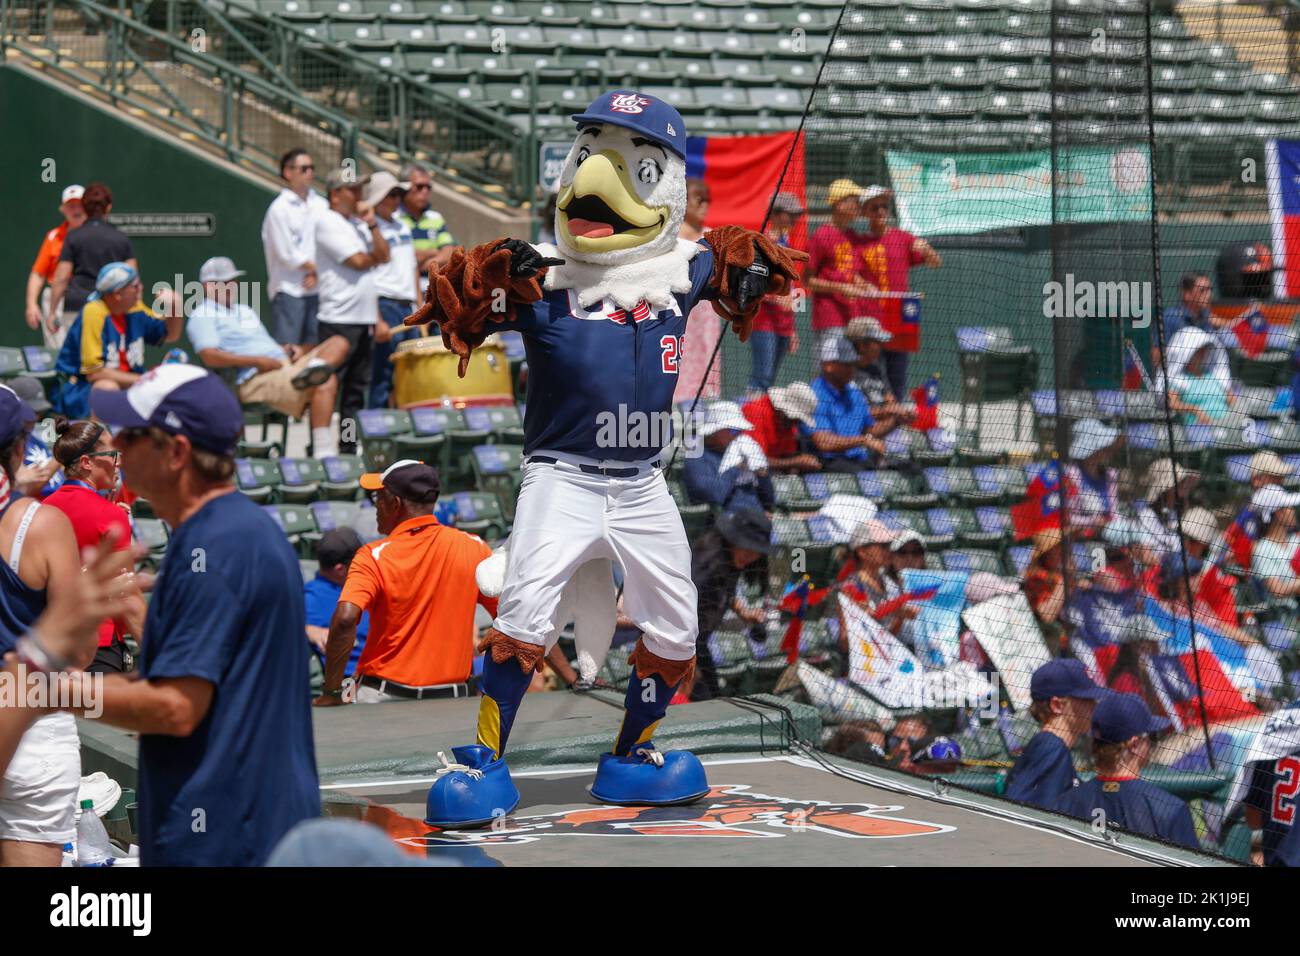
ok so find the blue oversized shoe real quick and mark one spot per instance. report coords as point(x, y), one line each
point(648, 778)
point(472, 792)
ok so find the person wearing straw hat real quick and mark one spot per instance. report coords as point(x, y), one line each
point(1267, 468)
point(1092, 486)
point(886, 255)
point(783, 420)
point(1123, 730)
point(837, 287)
point(1168, 486)
point(774, 334)
point(1063, 698)
point(730, 468)
point(869, 584)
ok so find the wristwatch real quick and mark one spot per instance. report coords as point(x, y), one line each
point(36, 655)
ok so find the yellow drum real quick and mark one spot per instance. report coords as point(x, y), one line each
point(426, 372)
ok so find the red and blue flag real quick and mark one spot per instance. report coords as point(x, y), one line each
point(926, 398)
point(1041, 508)
point(1282, 158)
point(797, 599)
point(1251, 332)
point(743, 172)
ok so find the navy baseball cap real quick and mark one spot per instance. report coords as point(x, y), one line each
point(637, 111)
point(1120, 717)
point(15, 415)
point(1064, 677)
point(181, 400)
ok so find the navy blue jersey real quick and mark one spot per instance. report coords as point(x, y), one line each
point(601, 380)
point(1133, 805)
point(1043, 772)
point(227, 609)
point(1273, 788)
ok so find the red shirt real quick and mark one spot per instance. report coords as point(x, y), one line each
point(775, 442)
point(772, 316)
point(91, 517)
point(885, 261)
point(832, 255)
point(1215, 591)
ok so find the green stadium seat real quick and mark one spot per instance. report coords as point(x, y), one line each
point(362, 35)
point(300, 480)
point(496, 471)
point(40, 361)
point(453, 11)
point(395, 11)
point(971, 561)
point(1270, 109)
point(467, 36)
point(695, 518)
point(263, 418)
point(1017, 76)
point(436, 67)
point(549, 11)
point(257, 477)
point(388, 59)
point(503, 12)
point(299, 11)
point(378, 429)
point(775, 100)
point(11, 362)
point(481, 514)
point(342, 476)
point(744, 72)
point(299, 526)
point(328, 515)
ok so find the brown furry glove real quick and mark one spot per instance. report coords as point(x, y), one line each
point(478, 285)
point(747, 267)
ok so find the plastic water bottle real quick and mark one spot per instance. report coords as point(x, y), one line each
point(93, 846)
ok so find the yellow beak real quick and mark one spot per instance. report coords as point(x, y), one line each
point(600, 211)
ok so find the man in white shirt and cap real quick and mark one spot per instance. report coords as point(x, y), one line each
point(289, 240)
point(728, 469)
point(397, 281)
point(1092, 486)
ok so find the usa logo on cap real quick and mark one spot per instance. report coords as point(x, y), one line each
point(628, 103)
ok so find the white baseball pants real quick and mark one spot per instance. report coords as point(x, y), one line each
point(566, 517)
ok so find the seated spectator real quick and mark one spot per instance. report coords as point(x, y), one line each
point(1044, 585)
point(1214, 587)
point(1092, 486)
point(39, 475)
point(782, 420)
point(1139, 641)
point(869, 584)
point(1168, 487)
point(730, 469)
point(738, 540)
point(1266, 468)
point(1197, 386)
point(864, 741)
point(1127, 560)
point(334, 553)
point(869, 337)
point(907, 550)
point(228, 334)
point(845, 436)
point(1192, 310)
point(1276, 546)
point(1122, 731)
point(105, 346)
point(1064, 697)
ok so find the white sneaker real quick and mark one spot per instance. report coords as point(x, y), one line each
point(102, 790)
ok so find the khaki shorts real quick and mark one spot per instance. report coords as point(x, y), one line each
point(276, 389)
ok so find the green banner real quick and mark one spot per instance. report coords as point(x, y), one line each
point(944, 194)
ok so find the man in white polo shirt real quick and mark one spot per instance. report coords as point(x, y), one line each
point(396, 281)
point(289, 239)
point(349, 247)
point(226, 333)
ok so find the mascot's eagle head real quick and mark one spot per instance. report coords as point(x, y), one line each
point(623, 189)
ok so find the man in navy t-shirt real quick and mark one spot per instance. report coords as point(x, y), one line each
point(1063, 700)
point(227, 761)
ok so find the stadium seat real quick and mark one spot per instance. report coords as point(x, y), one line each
point(342, 476)
point(378, 429)
point(11, 362)
point(502, 422)
point(819, 486)
point(301, 480)
point(40, 361)
point(328, 515)
point(893, 488)
point(918, 522)
point(298, 524)
point(496, 471)
point(263, 418)
point(695, 518)
point(481, 514)
point(257, 477)
point(993, 369)
point(972, 561)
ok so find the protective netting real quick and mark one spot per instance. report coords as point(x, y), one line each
point(1067, 284)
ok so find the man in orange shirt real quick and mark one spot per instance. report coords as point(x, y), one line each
point(418, 585)
point(47, 260)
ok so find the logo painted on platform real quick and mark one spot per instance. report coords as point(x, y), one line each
point(729, 811)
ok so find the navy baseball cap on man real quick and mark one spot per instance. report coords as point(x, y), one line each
point(15, 415)
point(1064, 677)
point(407, 479)
point(637, 111)
point(1120, 717)
point(181, 400)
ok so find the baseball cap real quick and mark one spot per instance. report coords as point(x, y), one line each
point(843, 188)
point(864, 327)
point(30, 391)
point(381, 184)
point(344, 176)
point(1120, 717)
point(1091, 436)
point(337, 546)
point(905, 537)
point(1270, 498)
point(875, 192)
point(871, 531)
point(114, 276)
point(1064, 677)
point(797, 400)
point(747, 527)
point(15, 415)
point(72, 193)
point(638, 111)
point(836, 348)
point(1268, 464)
point(1160, 477)
point(788, 202)
point(219, 269)
point(407, 479)
point(723, 415)
point(181, 400)
point(1199, 524)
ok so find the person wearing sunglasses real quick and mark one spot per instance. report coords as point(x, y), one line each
point(85, 450)
point(429, 230)
point(289, 240)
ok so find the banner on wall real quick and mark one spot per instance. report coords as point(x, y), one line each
point(1282, 161)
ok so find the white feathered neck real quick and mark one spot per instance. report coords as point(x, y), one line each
point(654, 280)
